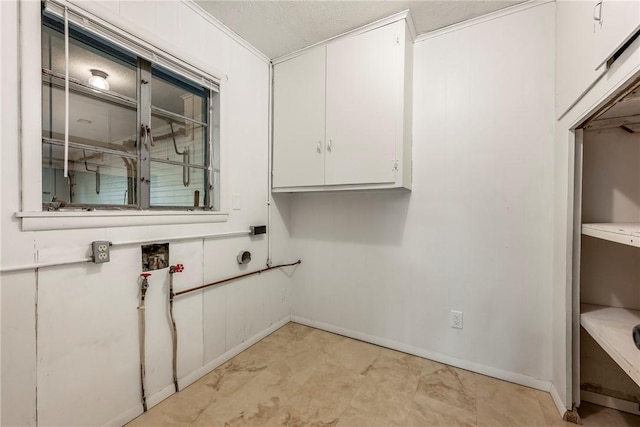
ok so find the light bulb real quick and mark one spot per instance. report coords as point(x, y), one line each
point(98, 79)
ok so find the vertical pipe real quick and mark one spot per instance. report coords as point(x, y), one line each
point(174, 335)
point(186, 171)
point(144, 285)
point(172, 270)
point(66, 92)
point(97, 179)
point(269, 162)
point(53, 188)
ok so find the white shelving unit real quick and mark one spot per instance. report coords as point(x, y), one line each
point(606, 361)
point(624, 233)
point(611, 328)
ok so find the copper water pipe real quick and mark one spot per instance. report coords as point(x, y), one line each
point(144, 285)
point(178, 268)
point(219, 282)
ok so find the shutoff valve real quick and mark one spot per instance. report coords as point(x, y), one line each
point(178, 268)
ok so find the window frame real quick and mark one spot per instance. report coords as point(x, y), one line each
point(32, 215)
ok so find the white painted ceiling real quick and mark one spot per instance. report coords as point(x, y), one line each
point(280, 27)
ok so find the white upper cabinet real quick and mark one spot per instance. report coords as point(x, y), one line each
point(616, 22)
point(298, 121)
point(575, 63)
point(588, 34)
point(342, 113)
point(364, 107)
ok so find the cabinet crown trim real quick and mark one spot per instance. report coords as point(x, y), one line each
point(405, 14)
point(520, 7)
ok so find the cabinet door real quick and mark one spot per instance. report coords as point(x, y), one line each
point(575, 52)
point(617, 21)
point(364, 106)
point(299, 121)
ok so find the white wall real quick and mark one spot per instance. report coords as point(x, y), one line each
point(84, 362)
point(475, 234)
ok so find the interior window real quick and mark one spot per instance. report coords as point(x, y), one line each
point(129, 146)
point(180, 155)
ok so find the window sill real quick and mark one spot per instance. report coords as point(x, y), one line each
point(67, 220)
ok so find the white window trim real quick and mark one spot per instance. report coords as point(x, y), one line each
point(67, 220)
point(31, 213)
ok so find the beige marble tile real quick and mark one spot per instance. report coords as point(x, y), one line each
point(298, 366)
point(596, 416)
point(500, 403)
point(397, 373)
point(184, 407)
point(169, 413)
point(356, 356)
point(289, 334)
point(256, 357)
point(449, 385)
point(252, 405)
point(223, 381)
point(431, 412)
point(353, 418)
point(291, 418)
point(549, 410)
point(300, 376)
point(425, 366)
point(321, 341)
point(381, 403)
point(322, 399)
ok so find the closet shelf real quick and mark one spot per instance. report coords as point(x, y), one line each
point(611, 328)
point(625, 233)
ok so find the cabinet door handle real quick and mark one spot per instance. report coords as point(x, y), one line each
point(319, 147)
point(597, 16)
point(330, 145)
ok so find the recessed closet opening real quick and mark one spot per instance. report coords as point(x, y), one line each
point(607, 256)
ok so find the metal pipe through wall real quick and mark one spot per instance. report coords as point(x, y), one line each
point(230, 279)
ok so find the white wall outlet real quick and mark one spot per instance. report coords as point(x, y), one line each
point(456, 319)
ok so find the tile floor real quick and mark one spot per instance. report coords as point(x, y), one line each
point(300, 376)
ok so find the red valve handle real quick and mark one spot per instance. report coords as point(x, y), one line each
point(145, 275)
point(178, 268)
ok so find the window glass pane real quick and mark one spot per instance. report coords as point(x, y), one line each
point(178, 141)
point(87, 53)
point(175, 94)
point(179, 125)
point(168, 185)
point(95, 178)
point(95, 121)
point(104, 138)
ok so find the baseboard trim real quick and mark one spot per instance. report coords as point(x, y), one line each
point(557, 400)
point(125, 417)
point(136, 411)
point(512, 377)
point(194, 376)
point(610, 402)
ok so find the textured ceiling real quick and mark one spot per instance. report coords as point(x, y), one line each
point(280, 27)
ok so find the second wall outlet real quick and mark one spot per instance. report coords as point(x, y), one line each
point(100, 251)
point(456, 319)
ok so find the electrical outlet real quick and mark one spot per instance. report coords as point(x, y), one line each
point(456, 319)
point(100, 250)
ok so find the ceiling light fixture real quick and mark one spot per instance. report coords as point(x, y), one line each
point(98, 79)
